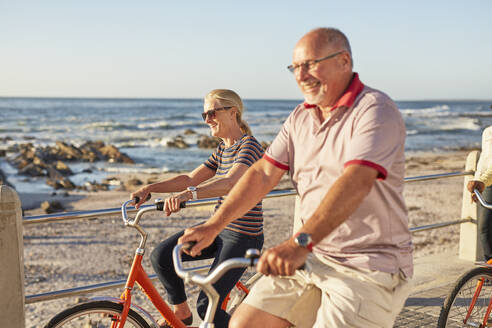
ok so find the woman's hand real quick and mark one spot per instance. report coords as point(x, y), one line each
point(142, 194)
point(475, 184)
point(172, 204)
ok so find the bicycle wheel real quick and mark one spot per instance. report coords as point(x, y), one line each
point(238, 295)
point(458, 302)
point(95, 314)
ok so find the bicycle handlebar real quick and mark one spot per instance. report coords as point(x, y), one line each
point(250, 260)
point(206, 282)
point(159, 206)
point(481, 200)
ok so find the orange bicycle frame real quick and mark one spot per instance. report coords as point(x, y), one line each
point(138, 275)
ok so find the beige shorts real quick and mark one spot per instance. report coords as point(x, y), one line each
point(328, 294)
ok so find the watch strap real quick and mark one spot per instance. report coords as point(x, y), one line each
point(194, 195)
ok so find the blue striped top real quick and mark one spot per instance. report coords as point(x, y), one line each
point(246, 150)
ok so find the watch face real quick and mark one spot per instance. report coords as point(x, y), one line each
point(303, 239)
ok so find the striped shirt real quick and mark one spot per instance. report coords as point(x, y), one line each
point(246, 150)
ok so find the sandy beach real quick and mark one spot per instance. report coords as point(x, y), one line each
point(82, 252)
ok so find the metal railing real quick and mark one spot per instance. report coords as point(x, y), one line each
point(117, 211)
point(201, 202)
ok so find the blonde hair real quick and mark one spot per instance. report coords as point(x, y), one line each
point(230, 98)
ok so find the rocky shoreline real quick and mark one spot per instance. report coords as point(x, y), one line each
point(52, 163)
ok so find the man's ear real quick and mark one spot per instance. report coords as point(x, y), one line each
point(346, 60)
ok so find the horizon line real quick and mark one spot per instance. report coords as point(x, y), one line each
point(191, 98)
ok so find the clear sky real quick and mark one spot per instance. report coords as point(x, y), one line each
point(429, 49)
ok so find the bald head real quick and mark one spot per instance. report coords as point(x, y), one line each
point(327, 38)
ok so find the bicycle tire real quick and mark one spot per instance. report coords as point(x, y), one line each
point(456, 304)
point(239, 296)
point(95, 314)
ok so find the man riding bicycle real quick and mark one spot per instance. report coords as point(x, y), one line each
point(344, 151)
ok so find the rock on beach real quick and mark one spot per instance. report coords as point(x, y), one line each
point(177, 142)
point(51, 161)
point(208, 142)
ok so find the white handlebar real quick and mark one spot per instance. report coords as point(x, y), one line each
point(206, 282)
point(481, 200)
point(190, 275)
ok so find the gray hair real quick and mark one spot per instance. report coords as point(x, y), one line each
point(332, 37)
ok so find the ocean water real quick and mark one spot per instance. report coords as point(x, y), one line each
point(142, 127)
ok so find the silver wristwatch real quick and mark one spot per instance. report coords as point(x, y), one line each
point(304, 240)
point(193, 192)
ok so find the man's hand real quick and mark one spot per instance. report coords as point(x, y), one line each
point(282, 260)
point(172, 204)
point(475, 184)
point(203, 234)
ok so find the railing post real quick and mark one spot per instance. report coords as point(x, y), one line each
point(12, 260)
point(469, 243)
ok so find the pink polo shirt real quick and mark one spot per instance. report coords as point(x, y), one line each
point(365, 128)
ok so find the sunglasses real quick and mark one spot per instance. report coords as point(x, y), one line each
point(213, 112)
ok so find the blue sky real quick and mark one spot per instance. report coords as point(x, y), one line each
point(183, 49)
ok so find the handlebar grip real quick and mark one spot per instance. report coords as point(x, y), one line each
point(136, 199)
point(160, 205)
point(187, 246)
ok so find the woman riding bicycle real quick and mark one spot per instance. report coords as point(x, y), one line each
point(237, 151)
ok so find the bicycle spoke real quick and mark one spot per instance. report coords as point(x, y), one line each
point(95, 320)
point(98, 314)
point(462, 303)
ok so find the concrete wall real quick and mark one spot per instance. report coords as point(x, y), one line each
point(12, 260)
point(469, 244)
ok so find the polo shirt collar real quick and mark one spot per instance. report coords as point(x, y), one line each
point(348, 97)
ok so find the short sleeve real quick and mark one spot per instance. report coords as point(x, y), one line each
point(378, 137)
point(212, 162)
point(249, 152)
